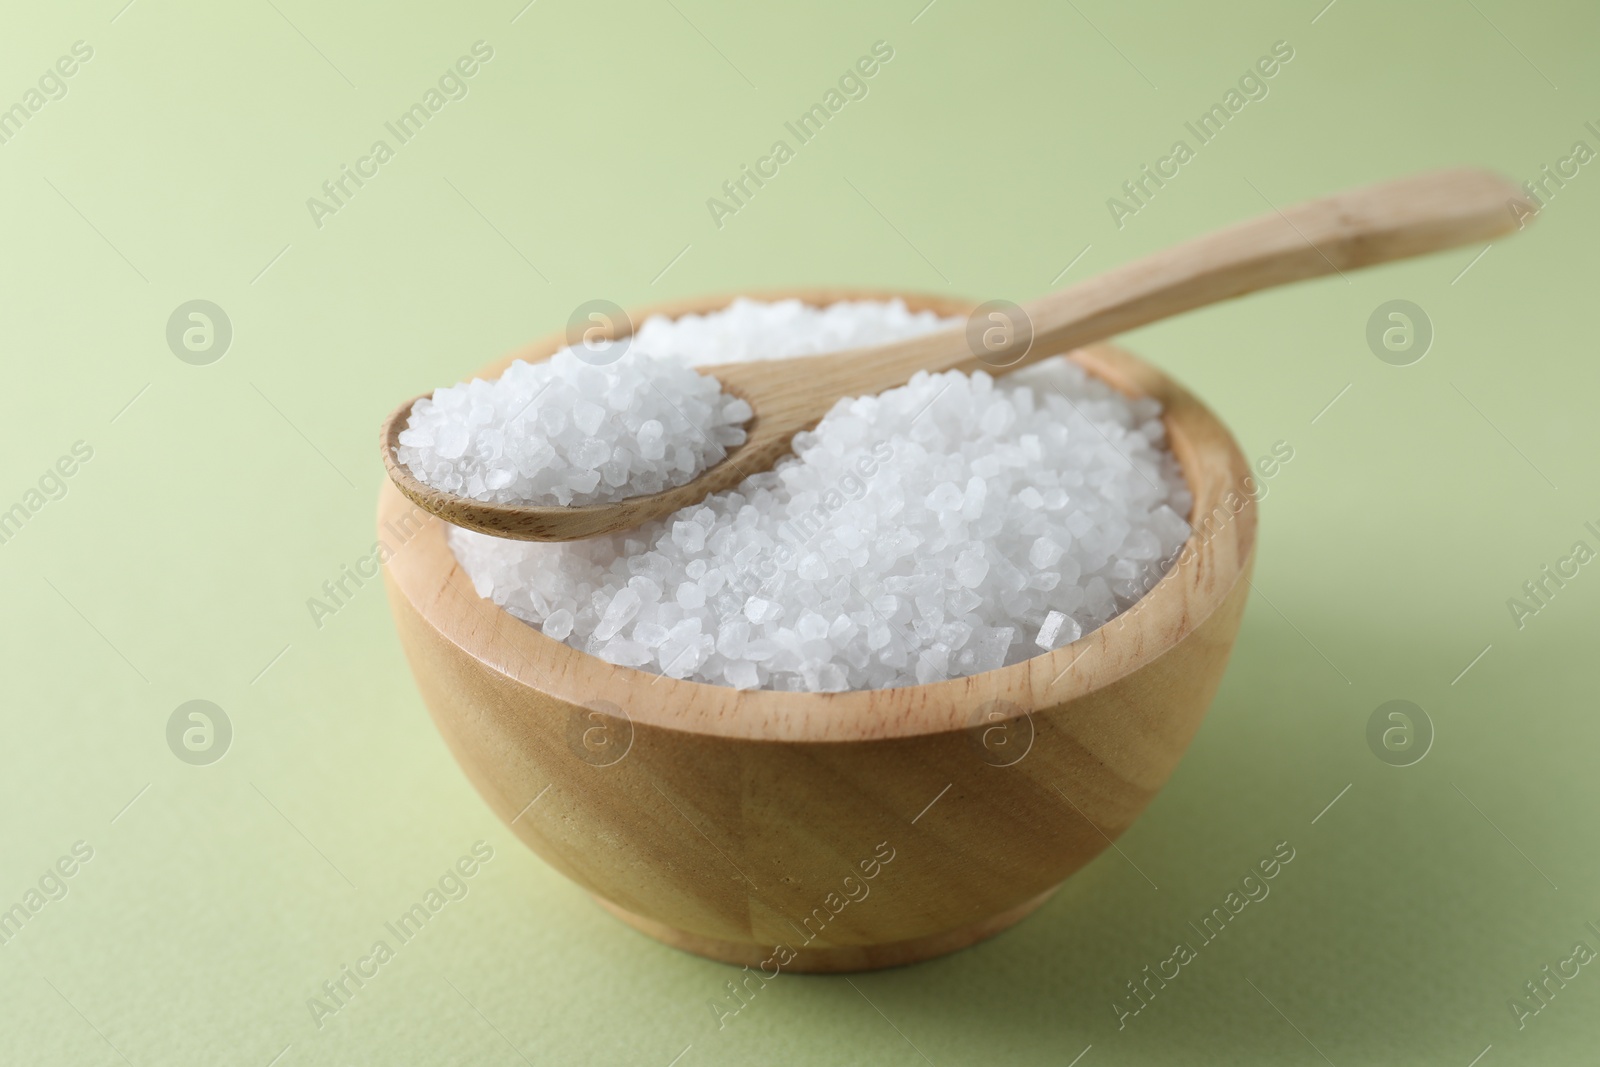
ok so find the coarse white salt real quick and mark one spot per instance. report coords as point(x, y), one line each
point(569, 431)
point(951, 526)
point(1058, 629)
point(750, 330)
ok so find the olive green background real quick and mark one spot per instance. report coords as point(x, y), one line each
point(220, 497)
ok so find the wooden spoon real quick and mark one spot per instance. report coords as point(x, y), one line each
point(1375, 224)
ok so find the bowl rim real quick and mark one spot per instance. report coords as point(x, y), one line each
point(424, 571)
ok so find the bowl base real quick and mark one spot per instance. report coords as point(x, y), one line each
point(838, 959)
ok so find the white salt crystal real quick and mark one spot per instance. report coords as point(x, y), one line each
point(652, 440)
point(623, 607)
point(1044, 552)
point(990, 645)
point(760, 611)
point(944, 498)
point(1099, 596)
point(831, 678)
point(1047, 632)
point(846, 566)
point(689, 536)
point(812, 627)
point(626, 653)
point(1058, 629)
point(971, 568)
point(742, 674)
point(452, 441)
point(588, 417)
point(558, 624)
point(760, 649)
point(1142, 544)
point(590, 454)
point(650, 634)
point(582, 482)
point(540, 432)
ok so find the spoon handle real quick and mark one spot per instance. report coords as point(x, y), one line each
point(1358, 228)
point(1379, 223)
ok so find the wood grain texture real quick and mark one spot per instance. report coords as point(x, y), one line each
point(730, 823)
point(1377, 224)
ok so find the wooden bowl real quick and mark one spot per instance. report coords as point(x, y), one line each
point(833, 831)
